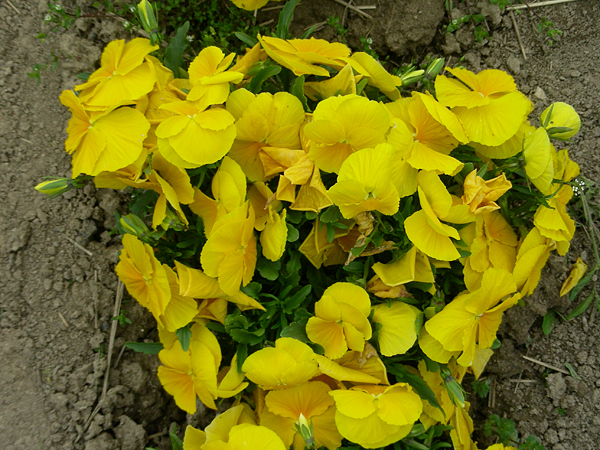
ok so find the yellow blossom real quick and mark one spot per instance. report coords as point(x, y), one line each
point(122, 77)
point(398, 330)
point(538, 155)
point(343, 125)
point(363, 183)
point(307, 403)
point(340, 321)
point(481, 195)
point(191, 373)
point(263, 120)
point(533, 253)
point(488, 104)
point(289, 363)
point(210, 78)
point(191, 123)
point(472, 319)
point(301, 56)
point(343, 83)
point(376, 416)
point(230, 252)
point(143, 275)
point(355, 367)
point(96, 139)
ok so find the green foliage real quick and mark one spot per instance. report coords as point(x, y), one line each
point(545, 27)
point(531, 443)
point(503, 428)
point(481, 387)
point(212, 22)
point(122, 319)
point(334, 22)
point(148, 348)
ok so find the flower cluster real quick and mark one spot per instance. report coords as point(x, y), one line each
point(327, 248)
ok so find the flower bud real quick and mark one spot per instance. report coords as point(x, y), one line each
point(148, 20)
point(560, 121)
point(434, 68)
point(412, 77)
point(305, 429)
point(54, 187)
point(454, 388)
point(132, 224)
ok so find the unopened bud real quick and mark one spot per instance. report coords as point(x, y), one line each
point(560, 120)
point(434, 68)
point(132, 224)
point(172, 221)
point(412, 77)
point(305, 429)
point(453, 387)
point(54, 187)
point(148, 20)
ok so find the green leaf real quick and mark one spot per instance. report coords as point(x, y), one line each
point(293, 234)
point(298, 91)
point(248, 40)
point(572, 371)
point(148, 348)
point(310, 31)
point(262, 76)
point(579, 286)
point(581, 308)
point(360, 86)
point(416, 382)
point(242, 354)
point(176, 443)
point(83, 76)
point(296, 330)
point(247, 337)
point(285, 18)
point(330, 233)
point(295, 300)
point(174, 51)
point(184, 334)
point(549, 322)
point(331, 215)
point(268, 269)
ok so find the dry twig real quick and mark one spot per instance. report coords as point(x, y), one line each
point(13, 6)
point(549, 366)
point(355, 9)
point(535, 5)
point(514, 22)
point(80, 247)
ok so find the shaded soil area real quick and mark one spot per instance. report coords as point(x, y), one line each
point(57, 258)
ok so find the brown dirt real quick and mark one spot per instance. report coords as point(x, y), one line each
point(56, 301)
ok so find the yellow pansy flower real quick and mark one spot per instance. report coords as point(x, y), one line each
point(538, 154)
point(481, 194)
point(192, 373)
point(289, 363)
point(179, 135)
point(472, 319)
point(432, 415)
point(398, 330)
point(319, 251)
point(554, 221)
point(229, 191)
point(252, 56)
point(122, 77)
point(412, 266)
point(248, 437)
point(355, 367)
point(180, 310)
point(301, 56)
point(209, 77)
point(143, 275)
point(121, 178)
point(343, 83)
point(363, 183)
point(462, 428)
point(340, 321)
point(250, 5)
point(508, 148)
point(494, 245)
point(488, 104)
point(230, 252)
point(425, 132)
point(306, 404)
point(274, 237)
point(263, 120)
point(533, 253)
point(96, 139)
point(369, 67)
point(424, 228)
point(343, 125)
point(376, 416)
point(195, 283)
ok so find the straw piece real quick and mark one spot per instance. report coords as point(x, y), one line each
point(80, 247)
point(535, 5)
point(355, 9)
point(514, 22)
point(549, 366)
